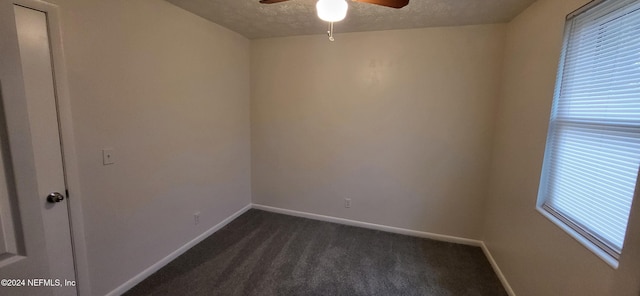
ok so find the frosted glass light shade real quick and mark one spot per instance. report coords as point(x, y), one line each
point(332, 10)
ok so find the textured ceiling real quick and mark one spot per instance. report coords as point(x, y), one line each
point(298, 17)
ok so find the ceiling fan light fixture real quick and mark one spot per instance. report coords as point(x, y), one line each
point(332, 10)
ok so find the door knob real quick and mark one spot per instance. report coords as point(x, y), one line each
point(55, 197)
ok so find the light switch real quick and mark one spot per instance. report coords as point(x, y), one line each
point(107, 156)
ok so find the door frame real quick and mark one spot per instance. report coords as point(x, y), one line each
point(67, 141)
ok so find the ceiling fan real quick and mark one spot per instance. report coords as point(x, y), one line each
point(336, 10)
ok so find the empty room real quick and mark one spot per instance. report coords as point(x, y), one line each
point(320, 147)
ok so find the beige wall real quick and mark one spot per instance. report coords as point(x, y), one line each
point(536, 256)
point(169, 92)
point(398, 121)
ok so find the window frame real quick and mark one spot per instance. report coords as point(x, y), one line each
point(578, 232)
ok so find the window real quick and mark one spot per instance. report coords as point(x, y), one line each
point(592, 155)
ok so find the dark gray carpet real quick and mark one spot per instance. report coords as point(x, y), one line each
point(262, 253)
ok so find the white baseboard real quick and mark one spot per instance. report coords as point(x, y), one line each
point(429, 235)
point(164, 261)
point(497, 270)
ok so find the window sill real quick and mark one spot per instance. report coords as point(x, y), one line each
point(613, 262)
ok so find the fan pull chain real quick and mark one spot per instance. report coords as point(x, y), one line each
point(330, 32)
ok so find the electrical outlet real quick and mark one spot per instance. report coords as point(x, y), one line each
point(347, 202)
point(196, 218)
point(108, 157)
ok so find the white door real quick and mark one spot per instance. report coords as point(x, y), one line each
point(36, 256)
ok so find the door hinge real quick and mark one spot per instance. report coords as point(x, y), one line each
point(66, 192)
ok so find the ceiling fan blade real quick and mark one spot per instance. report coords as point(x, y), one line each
point(387, 3)
point(271, 1)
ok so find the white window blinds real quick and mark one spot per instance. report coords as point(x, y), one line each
point(593, 145)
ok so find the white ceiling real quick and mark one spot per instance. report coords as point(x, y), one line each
point(298, 17)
